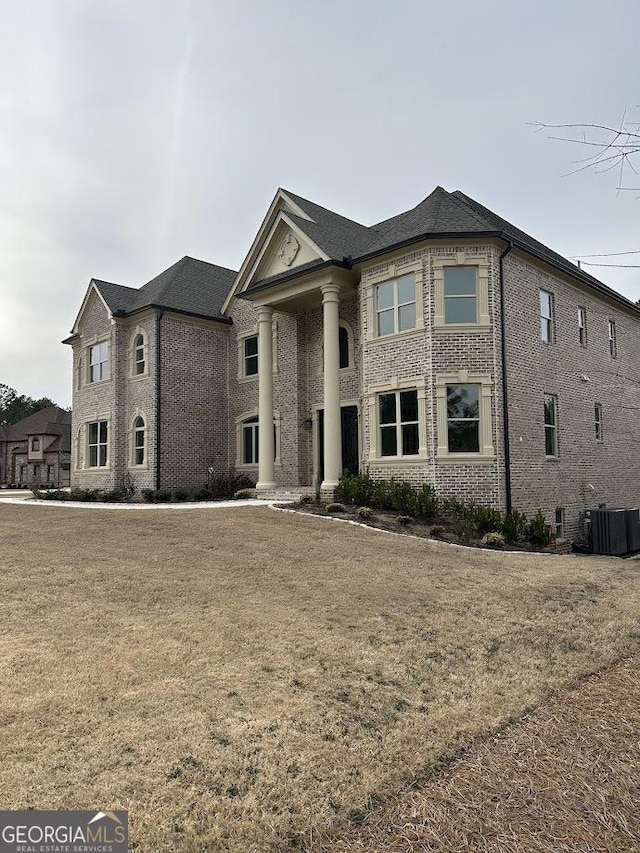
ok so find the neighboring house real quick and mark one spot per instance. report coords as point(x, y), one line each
point(442, 346)
point(37, 450)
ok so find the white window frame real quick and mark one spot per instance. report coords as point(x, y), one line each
point(582, 326)
point(549, 426)
point(51, 469)
point(350, 368)
point(561, 523)
point(480, 261)
point(395, 307)
point(35, 445)
point(613, 339)
point(486, 453)
point(98, 444)
point(134, 350)
point(416, 383)
point(599, 425)
point(241, 422)
point(250, 333)
point(398, 424)
point(391, 271)
point(546, 320)
point(102, 350)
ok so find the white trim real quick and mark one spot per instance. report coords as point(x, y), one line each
point(92, 288)
point(393, 271)
point(131, 353)
point(462, 259)
point(485, 426)
point(131, 435)
point(239, 422)
point(394, 384)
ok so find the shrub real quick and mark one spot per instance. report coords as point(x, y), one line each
point(180, 495)
point(364, 512)
point(244, 494)
point(306, 499)
point(426, 506)
point(454, 508)
point(84, 495)
point(436, 531)
point(382, 497)
point(162, 496)
point(464, 529)
point(355, 489)
point(486, 519)
point(405, 520)
point(515, 527)
point(403, 497)
point(147, 495)
point(336, 507)
point(112, 496)
point(225, 486)
point(539, 532)
point(493, 539)
point(202, 494)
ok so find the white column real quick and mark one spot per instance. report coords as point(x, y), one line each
point(266, 449)
point(332, 426)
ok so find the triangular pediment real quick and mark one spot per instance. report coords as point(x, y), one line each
point(279, 246)
point(92, 304)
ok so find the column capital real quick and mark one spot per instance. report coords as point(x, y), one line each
point(330, 292)
point(265, 313)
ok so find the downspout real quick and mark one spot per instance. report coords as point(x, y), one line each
point(505, 394)
point(159, 316)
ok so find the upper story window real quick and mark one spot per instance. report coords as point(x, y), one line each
point(35, 444)
point(546, 316)
point(582, 326)
point(463, 418)
point(396, 305)
point(139, 361)
point(460, 294)
point(98, 434)
point(598, 422)
point(398, 420)
point(613, 343)
point(250, 356)
point(99, 362)
point(550, 425)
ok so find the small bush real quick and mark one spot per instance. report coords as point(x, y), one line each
point(85, 495)
point(147, 495)
point(464, 529)
point(355, 489)
point(515, 527)
point(306, 499)
point(244, 494)
point(382, 497)
point(364, 512)
point(112, 496)
point(539, 533)
point(202, 494)
point(227, 485)
point(405, 520)
point(426, 506)
point(437, 531)
point(180, 495)
point(162, 496)
point(486, 519)
point(336, 507)
point(454, 508)
point(493, 539)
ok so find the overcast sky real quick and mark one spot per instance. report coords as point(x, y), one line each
point(136, 132)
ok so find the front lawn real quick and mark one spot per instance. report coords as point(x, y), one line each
point(241, 679)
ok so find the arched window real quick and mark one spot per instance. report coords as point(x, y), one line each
point(139, 361)
point(250, 442)
point(35, 444)
point(138, 441)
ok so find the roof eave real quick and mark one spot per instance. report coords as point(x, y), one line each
point(290, 276)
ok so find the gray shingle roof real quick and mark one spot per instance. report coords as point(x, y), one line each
point(190, 286)
point(50, 421)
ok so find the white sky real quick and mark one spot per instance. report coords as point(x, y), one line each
point(136, 132)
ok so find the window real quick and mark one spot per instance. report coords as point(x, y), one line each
point(35, 444)
point(99, 362)
point(398, 419)
point(582, 326)
point(343, 343)
point(98, 433)
point(36, 472)
point(598, 422)
point(460, 294)
point(250, 444)
point(250, 351)
point(550, 425)
point(138, 441)
point(613, 345)
point(138, 356)
point(463, 418)
point(51, 473)
point(23, 473)
point(396, 305)
point(546, 317)
point(560, 525)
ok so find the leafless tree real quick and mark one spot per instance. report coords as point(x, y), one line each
point(607, 148)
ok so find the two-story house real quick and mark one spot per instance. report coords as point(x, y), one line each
point(36, 451)
point(443, 345)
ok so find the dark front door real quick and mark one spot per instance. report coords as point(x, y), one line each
point(350, 444)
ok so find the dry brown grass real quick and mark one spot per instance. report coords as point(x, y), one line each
point(566, 779)
point(244, 679)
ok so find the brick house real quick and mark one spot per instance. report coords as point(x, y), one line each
point(443, 345)
point(37, 450)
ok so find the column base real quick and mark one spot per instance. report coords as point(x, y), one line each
point(265, 487)
point(328, 490)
